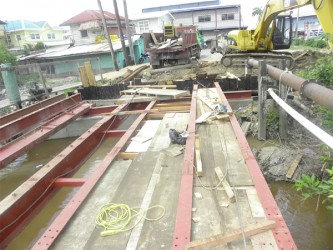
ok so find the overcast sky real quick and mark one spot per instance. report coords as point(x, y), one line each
point(56, 12)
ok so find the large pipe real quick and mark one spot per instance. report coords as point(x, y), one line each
point(316, 131)
point(308, 88)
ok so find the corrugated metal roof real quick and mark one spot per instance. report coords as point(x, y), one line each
point(205, 8)
point(150, 15)
point(2, 22)
point(80, 50)
point(89, 15)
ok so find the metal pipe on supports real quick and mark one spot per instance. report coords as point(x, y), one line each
point(308, 88)
point(316, 131)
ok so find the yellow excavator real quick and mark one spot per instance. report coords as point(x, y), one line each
point(274, 32)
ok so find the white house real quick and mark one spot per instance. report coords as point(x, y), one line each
point(151, 21)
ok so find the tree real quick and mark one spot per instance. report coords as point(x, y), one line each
point(257, 12)
point(6, 56)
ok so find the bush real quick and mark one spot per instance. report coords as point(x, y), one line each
point(6, 56)
point(322, 71)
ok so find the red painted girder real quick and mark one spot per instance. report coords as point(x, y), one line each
point(25, 111)
point(113, 133)
point(21, 124)
point(16, 148)
point(50, 234)
point(182, 233)
point(69, 182)
point(102, 110)
point(17, 206)
point(238, 94)
point(281, 232)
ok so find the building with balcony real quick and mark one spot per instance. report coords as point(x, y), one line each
point(87, 27)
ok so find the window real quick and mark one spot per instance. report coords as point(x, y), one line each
point(202, 19)
point(51, 36)
point(35, 36)
point(18, 37)
point(84, 33)
point(143, 25)
point(230, 16)
point(9, 39)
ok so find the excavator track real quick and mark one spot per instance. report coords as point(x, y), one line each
point(240, 59)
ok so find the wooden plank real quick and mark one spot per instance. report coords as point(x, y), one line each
point(245, 127)
point(255, 204)
point(156, 92)
point(153, 86)
point(203, 117)
point(148, 130)
point(124, 155)
point(84, 77)
point(198, 157)
point(222, 239)
point(225, 184)
point(294, 165)
point(153, 36)
point(90, 74)
point(208, 102)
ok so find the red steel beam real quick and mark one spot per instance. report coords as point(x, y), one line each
point(50, 234)
point(14, 149)
point(16, 207)
point(28, 110)
point(21, 124)
point(102, 110)
point(238, 94)
point(182, 232)
point(113, 133)
point(281, 232)
point(69, 182)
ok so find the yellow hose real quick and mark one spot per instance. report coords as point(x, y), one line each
point(117, 218)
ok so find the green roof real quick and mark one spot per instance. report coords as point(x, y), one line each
point(24, 25)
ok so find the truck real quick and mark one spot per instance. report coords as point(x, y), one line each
point(175, 46)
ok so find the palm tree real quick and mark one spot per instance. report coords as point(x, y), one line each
point(257, 12)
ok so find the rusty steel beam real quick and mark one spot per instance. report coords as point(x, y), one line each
point(69, 182)
point(22, 124)
point(53, 231)
point(238, 94)
point(101, 110)
point(281, 232)
point(308, 88)
point(28, 110)
point(113, 133)
point(16, 148)
point(16, 207)
point(182, 232)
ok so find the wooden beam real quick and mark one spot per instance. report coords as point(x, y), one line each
point(225, 184)
point(90, 74)
point(84, 77)
point(223, 239)
point(124, 155)
point(153, 36)
point(198, 156)
point(152, 86)
point(294, 165)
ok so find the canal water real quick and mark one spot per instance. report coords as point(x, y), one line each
point(311, 228)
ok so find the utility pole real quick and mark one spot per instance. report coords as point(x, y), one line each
point(108, 36)
point(296, 29)
point(121, 32)
point(129, 34)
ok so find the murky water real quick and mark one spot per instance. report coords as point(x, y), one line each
point(26, 165)
point(311, 229)
point(36, 227)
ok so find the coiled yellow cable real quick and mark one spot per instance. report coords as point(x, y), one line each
point(117, 218)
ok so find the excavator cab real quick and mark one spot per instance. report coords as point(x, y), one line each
point(282, 32)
